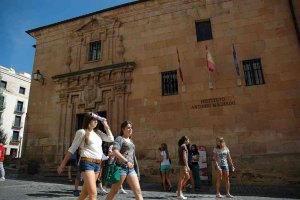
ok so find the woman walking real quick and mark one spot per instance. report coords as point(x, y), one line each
point(183, 162)
point(221, 158)
point(165, 166)
point(124, 151)
point(90, 143)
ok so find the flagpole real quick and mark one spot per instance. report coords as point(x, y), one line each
point(236, 66)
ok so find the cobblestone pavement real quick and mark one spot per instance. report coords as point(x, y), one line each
point(36, 188)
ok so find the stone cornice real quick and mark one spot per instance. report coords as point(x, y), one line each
point(96, 69)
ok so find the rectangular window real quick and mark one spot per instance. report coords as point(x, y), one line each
point(94, 51)
point(253, 72)
point(18, 121)
point(22, 90)
point(15, 135)
point(203, 30)
point(169, 83)
point(3, 84)
point(19, 106)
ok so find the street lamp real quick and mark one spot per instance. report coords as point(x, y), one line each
point(37, 76)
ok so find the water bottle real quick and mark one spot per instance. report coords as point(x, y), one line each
point(97, 117)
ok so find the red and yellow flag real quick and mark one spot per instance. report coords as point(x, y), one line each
point(210, 61)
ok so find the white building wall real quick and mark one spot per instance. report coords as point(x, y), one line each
point(12, 96)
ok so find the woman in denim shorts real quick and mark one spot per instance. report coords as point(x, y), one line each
point(165, 166)
point(89, 139)
point(221, 158)
point(124, 151)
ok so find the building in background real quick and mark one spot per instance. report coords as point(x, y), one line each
point(15, 89)
point(123, 62)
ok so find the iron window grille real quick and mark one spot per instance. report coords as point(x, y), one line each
point(94, 51)
point(253, 72)
point(169, 83)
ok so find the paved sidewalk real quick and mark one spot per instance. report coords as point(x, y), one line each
point(40, 188)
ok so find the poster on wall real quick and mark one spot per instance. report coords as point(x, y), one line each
point(203, 163)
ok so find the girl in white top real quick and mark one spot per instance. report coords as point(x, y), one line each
point(165, 166)
point(90, 143)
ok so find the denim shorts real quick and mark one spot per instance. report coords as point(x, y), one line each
point(225, 168)
point(127, 171)
point(89, 166)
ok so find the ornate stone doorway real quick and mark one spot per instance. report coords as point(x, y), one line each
point(100, 90)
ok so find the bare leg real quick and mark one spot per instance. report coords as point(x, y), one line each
point(168, 180)
point(218, 181)
point(164, 180)
point(134, 184)
point(89, 186)
point(226, 180)
point(115, 188)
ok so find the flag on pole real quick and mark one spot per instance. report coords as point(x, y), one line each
point(235, 61)
point(179, 67)
point(210, 61)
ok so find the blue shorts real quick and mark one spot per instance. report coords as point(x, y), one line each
point(89, 166)
point(127, 171)
point(225, 168)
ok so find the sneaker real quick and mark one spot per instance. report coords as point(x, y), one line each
point(76, 193)
point(229, 196)
point(181, 197)
point(189, 186)
point(122, 191)
point(103, 192)
point(2, 179)
point(219, 196)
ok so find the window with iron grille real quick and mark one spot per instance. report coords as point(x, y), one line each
point(94, 50)
point(203, 30)
point(253, 72)
point(3, 84)
point(169, 83)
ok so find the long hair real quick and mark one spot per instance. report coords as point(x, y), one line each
point(221, 139)
point(195, 150)
point(85, 125)
point(165, 148)
point(123, 126)
point(182, 140)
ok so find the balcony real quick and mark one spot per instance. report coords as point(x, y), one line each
point(14, 141)
point(17, 126)
point(19, 111)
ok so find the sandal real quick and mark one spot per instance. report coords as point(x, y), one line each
point(69, 180)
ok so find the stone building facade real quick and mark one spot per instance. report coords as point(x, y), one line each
point(122, 63)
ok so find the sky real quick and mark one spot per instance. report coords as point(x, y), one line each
point(18, 16)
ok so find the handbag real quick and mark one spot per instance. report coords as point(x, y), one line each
point(111, 174)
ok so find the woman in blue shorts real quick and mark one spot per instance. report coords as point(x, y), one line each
point(90, 142)
point(165, 166)
point(221, 158)
point(124, 151)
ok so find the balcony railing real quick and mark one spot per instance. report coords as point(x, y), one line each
point(14, 141)
point(19, 111)
point(17, 125)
